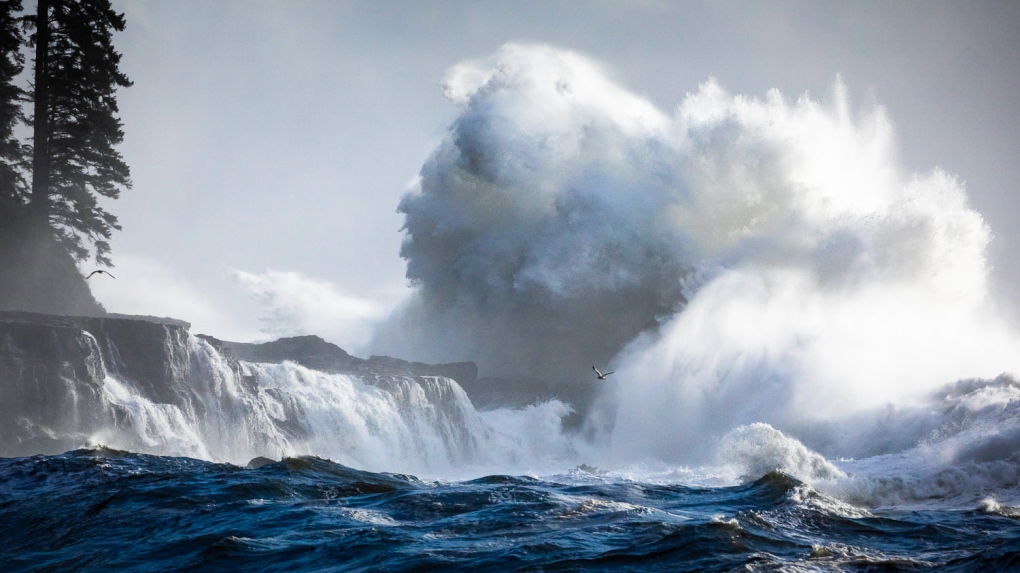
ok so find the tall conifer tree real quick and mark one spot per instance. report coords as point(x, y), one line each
point(75, 123)
point(13, 159)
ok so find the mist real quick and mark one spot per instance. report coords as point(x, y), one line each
point(37, 274)
point(737, 260)
point(537, 234)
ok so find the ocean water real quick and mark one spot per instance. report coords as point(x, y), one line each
point(810, 373)
point(404, 473)
point(107, 510)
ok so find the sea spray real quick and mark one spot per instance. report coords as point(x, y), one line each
point(829, 280)
point(758, 449)
point(538, 236)
point(424, 424)
point(738, 261)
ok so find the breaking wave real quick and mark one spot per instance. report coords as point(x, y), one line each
point(741, 262)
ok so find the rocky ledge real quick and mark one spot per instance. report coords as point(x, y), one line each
point(317, 354)
point(54, 371)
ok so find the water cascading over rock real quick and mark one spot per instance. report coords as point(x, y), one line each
point(148, 385)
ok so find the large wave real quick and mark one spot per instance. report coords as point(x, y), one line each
point(533, 237)
point(739, 260)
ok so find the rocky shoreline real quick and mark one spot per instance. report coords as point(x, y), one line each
point(53, 371)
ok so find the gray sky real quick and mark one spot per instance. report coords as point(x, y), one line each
point(280, 135)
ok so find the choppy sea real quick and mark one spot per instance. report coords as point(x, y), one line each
point(106, 510)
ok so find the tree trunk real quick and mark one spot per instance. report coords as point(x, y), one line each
point(41, 122)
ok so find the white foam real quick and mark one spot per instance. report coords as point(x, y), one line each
point(425, 425)
point(757, 449)
point(746, 259)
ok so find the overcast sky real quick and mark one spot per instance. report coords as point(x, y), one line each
point(270, 141)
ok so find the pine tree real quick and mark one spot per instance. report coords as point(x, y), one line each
point(13, 158)
point(75, 123)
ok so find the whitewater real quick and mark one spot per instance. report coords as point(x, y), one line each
point(810, 374)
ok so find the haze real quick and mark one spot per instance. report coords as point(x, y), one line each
point(271, 142)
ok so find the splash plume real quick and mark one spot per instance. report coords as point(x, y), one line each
point(539, 236)
point(744, 260)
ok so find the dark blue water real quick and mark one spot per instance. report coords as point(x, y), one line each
point(114, 511)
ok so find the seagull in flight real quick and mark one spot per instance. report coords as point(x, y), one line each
point(101, 272)
point(600, 375)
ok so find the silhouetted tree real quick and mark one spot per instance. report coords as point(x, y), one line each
point(13, 155)
point(75, 123)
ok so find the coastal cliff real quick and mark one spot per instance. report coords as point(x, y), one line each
point(144, 382)
point(53, 370)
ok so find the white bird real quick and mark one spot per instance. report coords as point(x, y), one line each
point(99, 271)
point(600, 375)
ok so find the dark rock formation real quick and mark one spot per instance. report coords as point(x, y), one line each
point(315, 353)
point(462, 372)
point(51, 378)
point(260, 461)
point(308, 351)
point(52, 370)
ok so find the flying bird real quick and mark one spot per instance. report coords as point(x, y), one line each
point(600, 375)
point(99, 271)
